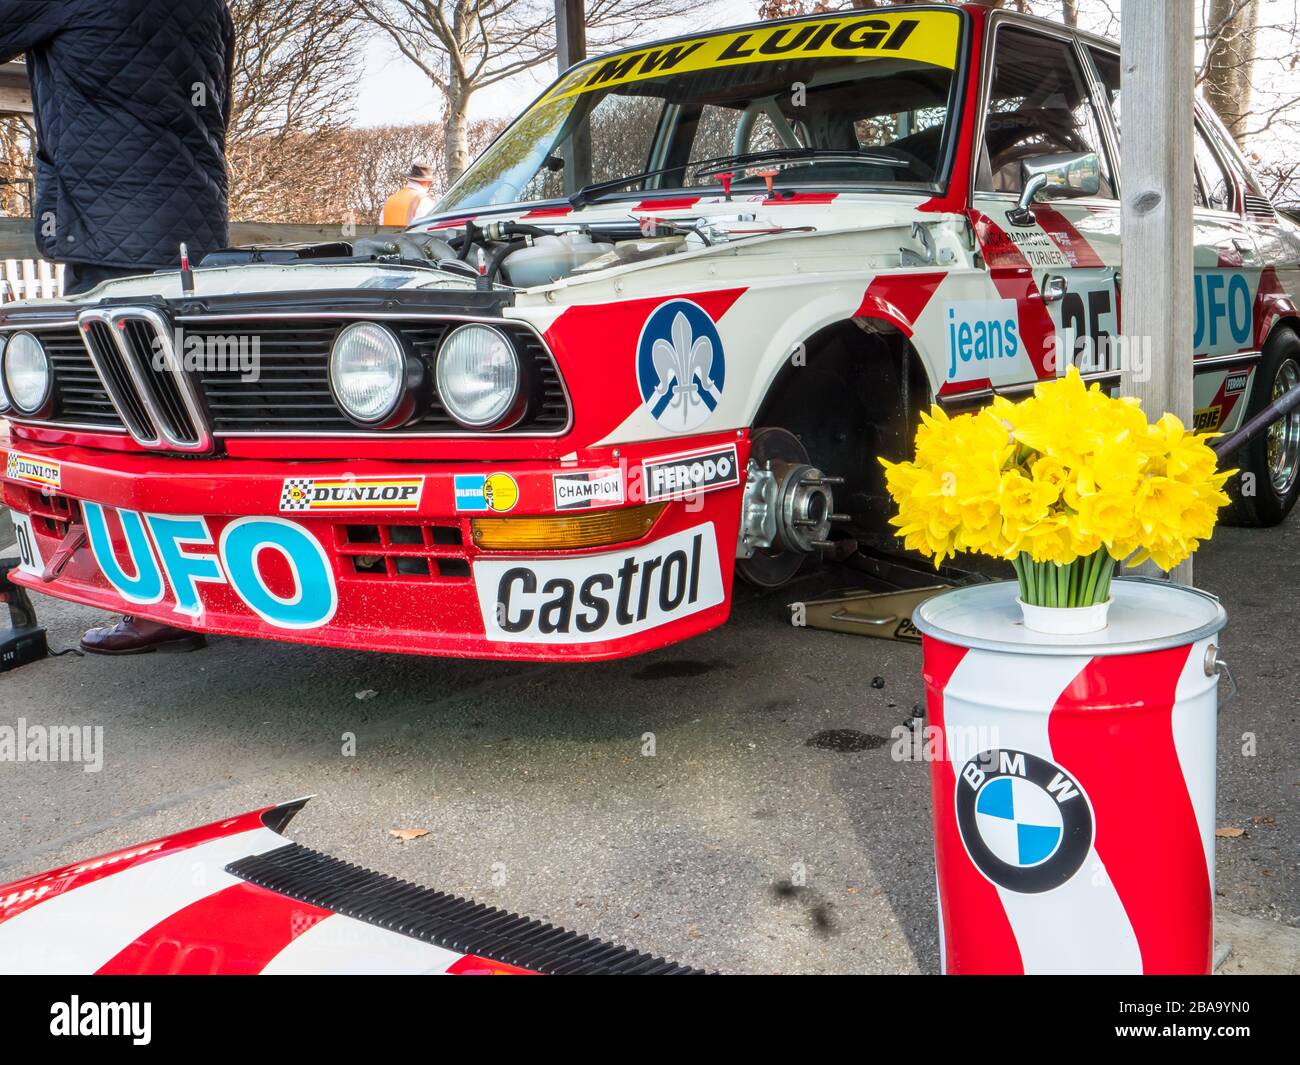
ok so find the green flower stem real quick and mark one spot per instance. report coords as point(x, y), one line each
point(1084, 582)
point(1094, 575)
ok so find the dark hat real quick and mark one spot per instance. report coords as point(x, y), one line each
point(420, 172)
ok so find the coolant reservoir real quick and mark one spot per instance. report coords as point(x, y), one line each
point(551, 258)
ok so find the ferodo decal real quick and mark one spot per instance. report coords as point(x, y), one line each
point(351, 493)
point(19, 467)
point(982, 336)
point(178, 552)
point(485, 492)
point(680, 365)
point(690, 474)
point(1236, 383)
point(600, 597)
point(1025, 822)
point(924, 36)
point(588, 489)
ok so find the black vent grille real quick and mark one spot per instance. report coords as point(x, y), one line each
point(435, 917)
point(82, 398)
point(1259, 206)
point(292, 391)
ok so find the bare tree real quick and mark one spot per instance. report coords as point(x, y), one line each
point(16, 180)
point(463, 46)
point(1229, 62)
point(295, 68)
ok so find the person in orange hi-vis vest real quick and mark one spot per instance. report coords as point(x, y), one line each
point(411, 201)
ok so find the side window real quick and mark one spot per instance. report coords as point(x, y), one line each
point(1038, 105)
point(1216, 187)
point(1108, 69)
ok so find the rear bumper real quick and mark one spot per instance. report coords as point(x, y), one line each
point(376, 555)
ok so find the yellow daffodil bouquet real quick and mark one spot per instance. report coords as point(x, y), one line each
point(1062, 484)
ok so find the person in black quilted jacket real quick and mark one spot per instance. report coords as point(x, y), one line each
point(132, 99)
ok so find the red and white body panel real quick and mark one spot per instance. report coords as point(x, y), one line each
point(169, 907)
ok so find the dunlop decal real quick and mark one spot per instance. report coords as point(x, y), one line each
point(353, 493)
point(923, 36)
point(27, 468)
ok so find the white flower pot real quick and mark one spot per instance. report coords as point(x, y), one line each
point(1065, 620)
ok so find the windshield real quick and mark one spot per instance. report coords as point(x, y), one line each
point(843, 101)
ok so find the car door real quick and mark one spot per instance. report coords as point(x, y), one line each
point(1058, 261)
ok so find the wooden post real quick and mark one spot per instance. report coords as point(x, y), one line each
point(15, 93)
point(1156, 223)
point(571, 47)
point(570, 32)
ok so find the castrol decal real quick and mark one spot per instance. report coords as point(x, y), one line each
point(600, 597)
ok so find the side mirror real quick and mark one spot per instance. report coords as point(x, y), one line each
point(1061, 175)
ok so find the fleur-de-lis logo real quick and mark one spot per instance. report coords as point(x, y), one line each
point(680, 366)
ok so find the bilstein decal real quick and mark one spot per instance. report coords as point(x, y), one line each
point(477, 492)
point(600, 597)
point(924, 36)
point(47, 474)
point(351, 493)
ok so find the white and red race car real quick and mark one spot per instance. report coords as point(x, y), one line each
point(235, 898)
point(655, 336)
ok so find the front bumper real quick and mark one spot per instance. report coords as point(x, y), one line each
point(242, 547)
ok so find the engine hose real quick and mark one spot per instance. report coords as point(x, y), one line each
point(506, 230)
point(472, 236)
point(499, 254)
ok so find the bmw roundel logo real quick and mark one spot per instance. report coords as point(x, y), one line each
point(1026, 823)
point(680, 367)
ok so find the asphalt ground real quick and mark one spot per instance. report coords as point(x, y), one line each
point(689, 803)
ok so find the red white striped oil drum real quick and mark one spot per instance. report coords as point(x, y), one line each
point(1073, 798)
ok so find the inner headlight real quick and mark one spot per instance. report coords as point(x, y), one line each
point(27, 377)
point(374, 381)
point(4, 393)
point(480, 380)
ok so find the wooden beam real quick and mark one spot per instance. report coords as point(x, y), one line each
point(570, 32)
point(15, 92)
point(18, 235)
point(1156, 222)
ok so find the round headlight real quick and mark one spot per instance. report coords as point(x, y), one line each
point(480, 381)
point(373, 381)
point(27, 374)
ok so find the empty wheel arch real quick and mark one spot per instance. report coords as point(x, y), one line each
point(852, 393)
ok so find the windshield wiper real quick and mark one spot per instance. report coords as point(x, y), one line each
point(706, 167)
point(781, 155)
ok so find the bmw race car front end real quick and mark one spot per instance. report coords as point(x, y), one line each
point(202, 498)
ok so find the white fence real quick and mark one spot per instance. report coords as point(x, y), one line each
point(30, 279)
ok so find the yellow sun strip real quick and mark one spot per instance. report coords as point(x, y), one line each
point(923, 36)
